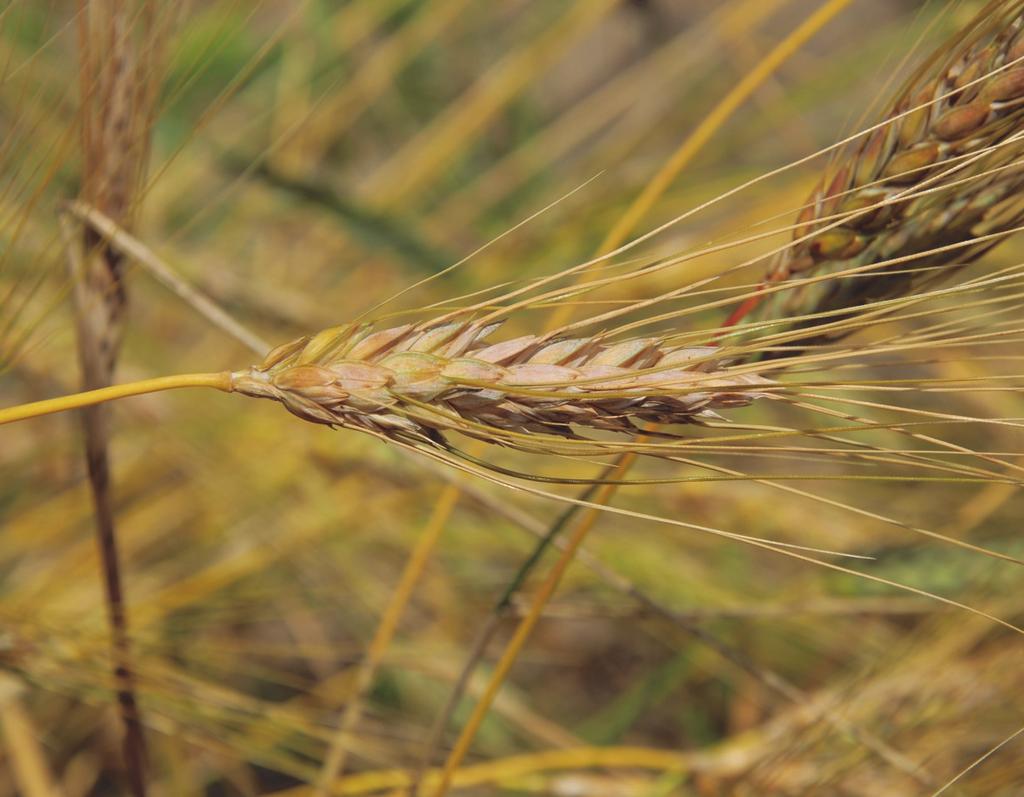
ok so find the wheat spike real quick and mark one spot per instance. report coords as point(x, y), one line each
point(415, 382)
point(943, 169)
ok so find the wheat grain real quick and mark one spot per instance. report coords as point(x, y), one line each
point(415, 382)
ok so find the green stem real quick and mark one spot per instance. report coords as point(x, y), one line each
point(74, 401)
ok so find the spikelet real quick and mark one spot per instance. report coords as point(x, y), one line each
point(948, 168)
point(415, 383)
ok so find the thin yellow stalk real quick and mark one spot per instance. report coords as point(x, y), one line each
point(515, 645)
point(88, 398)
point(29, 769)
point(979, 761)
point(334, 763)
point(724, 759)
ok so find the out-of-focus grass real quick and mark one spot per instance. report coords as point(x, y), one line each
point(312, 159)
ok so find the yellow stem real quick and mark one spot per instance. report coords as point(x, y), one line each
point(74, 401)
point(721, 113)
point(334, 763)
point(522, 633)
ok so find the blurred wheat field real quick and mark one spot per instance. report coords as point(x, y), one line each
point(302, 602)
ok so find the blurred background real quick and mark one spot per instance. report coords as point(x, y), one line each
point(307, 161)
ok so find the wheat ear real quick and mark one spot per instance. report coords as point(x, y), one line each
point(943, 168)
point(416, 382)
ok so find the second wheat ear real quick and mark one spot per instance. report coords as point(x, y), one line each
point(932, 187)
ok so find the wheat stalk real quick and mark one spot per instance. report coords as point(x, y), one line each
point(119, 76)
point(414, 383)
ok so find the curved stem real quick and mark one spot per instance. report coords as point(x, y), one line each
point(74, 401)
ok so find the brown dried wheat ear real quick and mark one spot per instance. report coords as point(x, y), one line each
point(932, 188)
point(415, 382)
